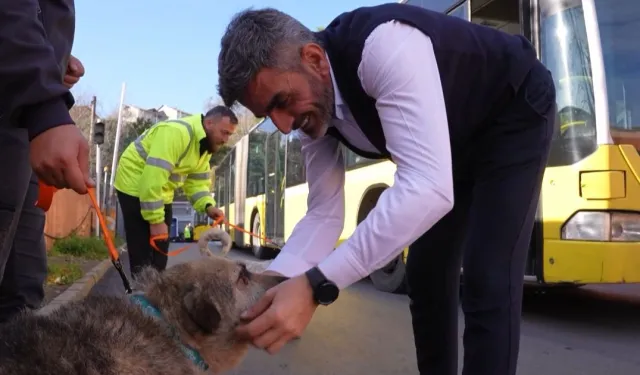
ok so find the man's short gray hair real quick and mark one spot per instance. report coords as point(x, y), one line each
point(257, 39)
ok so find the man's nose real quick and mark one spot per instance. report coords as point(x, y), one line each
point(282, 120)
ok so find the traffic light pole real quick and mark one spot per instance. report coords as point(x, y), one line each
point(98, 139)
point(98, 183)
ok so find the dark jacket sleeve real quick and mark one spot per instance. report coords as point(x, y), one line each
point(32, 94)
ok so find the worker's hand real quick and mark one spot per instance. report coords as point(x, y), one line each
point(215, 213)
point(280, 316)
point(158, 229)
point(60, 158)
point(75, 70)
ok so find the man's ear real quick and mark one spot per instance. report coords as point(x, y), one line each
point(203, 314)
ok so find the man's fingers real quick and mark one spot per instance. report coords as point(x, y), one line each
point(256, 327)
point(268, 338)
point(83, 162)
point(75, 178)
point(260, 306)
point(279, 344)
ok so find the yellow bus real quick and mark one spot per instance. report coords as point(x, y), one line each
point(588, 223)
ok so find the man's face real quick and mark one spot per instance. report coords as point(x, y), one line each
point(301, 99)
point(218, 129)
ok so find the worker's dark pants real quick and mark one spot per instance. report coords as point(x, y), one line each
point(488, 233)
point(138, 234)
point(23, 260)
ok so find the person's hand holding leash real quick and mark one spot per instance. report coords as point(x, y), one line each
point(60, 158)
point(215, 213)
point(159, 229)
point(280, 316)
point(75, 70)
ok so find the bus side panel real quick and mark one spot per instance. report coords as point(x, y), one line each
point(358, 182)
point(295, 207)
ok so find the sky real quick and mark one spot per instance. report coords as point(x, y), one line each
point(164, 53)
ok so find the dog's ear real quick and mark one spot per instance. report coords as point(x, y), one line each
point(203, 314)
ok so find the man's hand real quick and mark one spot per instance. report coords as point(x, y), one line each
point(215, 213)
point(158, 229)
point(280, 316)
point(75, 70)
point(60, 158)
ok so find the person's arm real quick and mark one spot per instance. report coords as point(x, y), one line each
point(169, 142)
point(33, 94)
point(399, 70)
point(197, 186)
point(317, 233)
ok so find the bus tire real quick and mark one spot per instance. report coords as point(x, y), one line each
point(392, 277)
point(257, 249)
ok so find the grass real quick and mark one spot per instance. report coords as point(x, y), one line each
point(63, 274)
point(83, 247)
point(67, 254)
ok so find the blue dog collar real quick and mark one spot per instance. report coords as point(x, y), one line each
point(151, 310)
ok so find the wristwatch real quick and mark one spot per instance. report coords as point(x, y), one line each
point(325, 291)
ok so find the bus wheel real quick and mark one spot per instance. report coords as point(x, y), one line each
point(258, 250)
point(390, 278)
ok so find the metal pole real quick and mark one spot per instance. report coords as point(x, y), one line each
point(96, 222)
point(98, 185)
point(117, 142)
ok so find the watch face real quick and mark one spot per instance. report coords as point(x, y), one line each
point(327, 293)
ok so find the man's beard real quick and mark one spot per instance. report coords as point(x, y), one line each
point(324, 105)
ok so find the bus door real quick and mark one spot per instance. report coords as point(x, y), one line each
point(275, 168)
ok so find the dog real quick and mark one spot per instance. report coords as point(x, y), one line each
point(179, 321)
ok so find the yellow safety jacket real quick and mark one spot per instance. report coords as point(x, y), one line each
point(163, 158)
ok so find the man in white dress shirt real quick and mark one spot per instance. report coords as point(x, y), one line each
point(464, 111)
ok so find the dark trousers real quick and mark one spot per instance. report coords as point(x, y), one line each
point(23, 259)
point(488, 232)
point(138, 233)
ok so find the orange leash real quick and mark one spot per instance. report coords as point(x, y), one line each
point(165, 237)
point(45, 198)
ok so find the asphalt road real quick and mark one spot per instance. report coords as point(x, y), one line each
point(587, 331)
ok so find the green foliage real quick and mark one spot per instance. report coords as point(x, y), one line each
point(63, 274)
point(84, 247)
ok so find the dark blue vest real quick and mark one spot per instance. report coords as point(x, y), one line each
point(480, 68)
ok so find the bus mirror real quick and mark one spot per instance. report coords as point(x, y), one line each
point(98, 133)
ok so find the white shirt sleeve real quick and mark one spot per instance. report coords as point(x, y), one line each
point(317, 233)
point(399, 70)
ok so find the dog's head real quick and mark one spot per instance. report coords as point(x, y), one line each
point(204, 299)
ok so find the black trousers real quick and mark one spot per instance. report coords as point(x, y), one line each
point(488, 232)
point(138, 234)
point(23, 259)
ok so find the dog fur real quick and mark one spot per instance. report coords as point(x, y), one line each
point(105, 335)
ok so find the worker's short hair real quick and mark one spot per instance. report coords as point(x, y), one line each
point(222, 111)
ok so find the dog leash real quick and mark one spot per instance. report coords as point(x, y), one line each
point(165, 237)
point(45, 198)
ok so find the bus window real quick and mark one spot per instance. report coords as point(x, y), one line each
point(437, 5)
point(564, 50)
point(503, 15)
point(256, 158)
point(295, 163)
point(619, 25)
point(462, 11)
point(232, 176)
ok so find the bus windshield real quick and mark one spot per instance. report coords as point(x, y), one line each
point(565, 51)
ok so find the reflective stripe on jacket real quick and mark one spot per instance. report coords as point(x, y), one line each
point(165, 157)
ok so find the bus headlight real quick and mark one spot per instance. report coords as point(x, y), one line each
point(603, 226)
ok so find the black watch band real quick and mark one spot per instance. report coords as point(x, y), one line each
point(325, 292)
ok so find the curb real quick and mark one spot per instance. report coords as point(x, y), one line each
point(80, 289)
